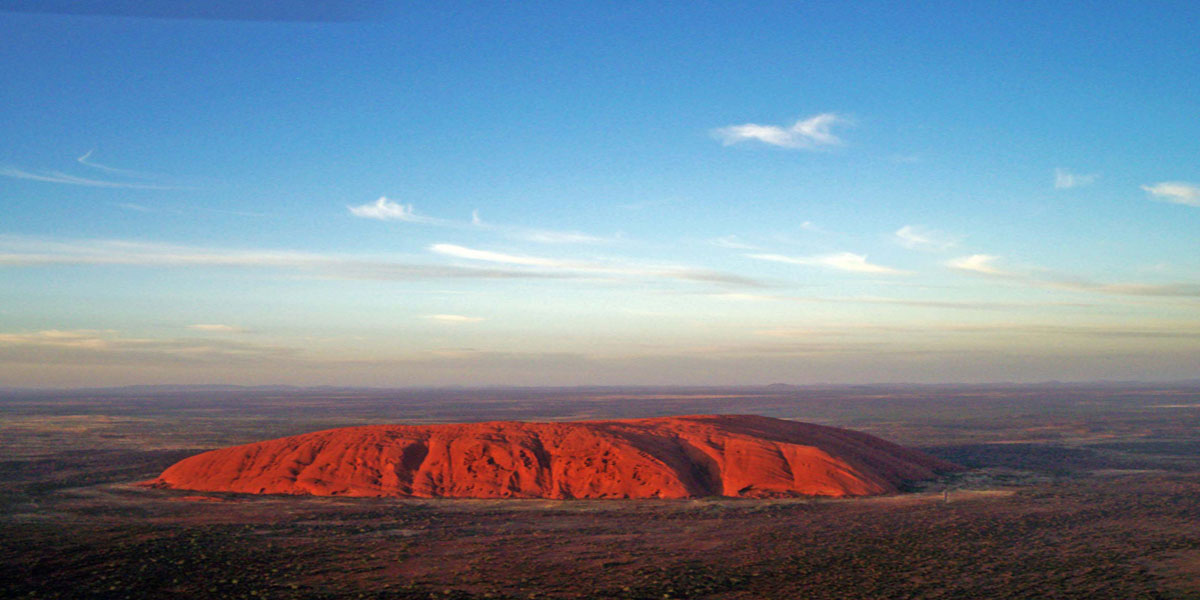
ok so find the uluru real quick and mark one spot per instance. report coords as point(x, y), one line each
point(668, 457)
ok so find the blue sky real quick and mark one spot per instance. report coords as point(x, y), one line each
point(600, 193)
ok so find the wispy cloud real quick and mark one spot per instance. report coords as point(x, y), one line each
point(496, 257)
point(830, 331)
point(386, 210)
point(544, 236)
point(49, 176)
point(1065, 180)
point(540, 236)
point(704, 276)
point(80, 338)
point(133, 207)
point(1164, 290)
point(88, 161)
point(982, 264)
point(109, 346)
point(22, 251)
point(985, 265)
point(916, 237)
point(910, 302)
point(742, 297)
point(17, 251)
point(813, 132)
point(842, 261)
point(598, 269)
point(140, 180)
point(215, 328)
point(454, 319)
point(1175, 192)
point(1178, 331)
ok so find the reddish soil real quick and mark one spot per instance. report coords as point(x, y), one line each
point(671, 457)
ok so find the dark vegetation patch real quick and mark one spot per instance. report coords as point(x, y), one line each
point(1080, 538)
point(1049, 459)
point(78, 468)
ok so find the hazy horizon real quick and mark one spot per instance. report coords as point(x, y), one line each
point(664, 194)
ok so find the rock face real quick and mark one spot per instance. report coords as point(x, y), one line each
point(671, 457)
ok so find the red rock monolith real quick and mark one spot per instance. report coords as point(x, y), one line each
point(670, 457)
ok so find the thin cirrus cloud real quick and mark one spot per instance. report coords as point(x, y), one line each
point(80, 338)
point(215, 328)
point(985, 265)
point(49, 176)
point(496, 257)
point(140, 180)
point(916, 237)
point(454, 319)
point(1189, 331)
point(1175, 192)
point(387, 210)
point(841, 261)
point(109, 346)
point(18, 251)
point(595, 269)
point(134, 207)
point(1065, 180)
point(981, 264)
point(541, 236)
point(87, 161)
point(811, 133)
point(909, 302)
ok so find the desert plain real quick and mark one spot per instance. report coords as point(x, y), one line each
point(1070, 491)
